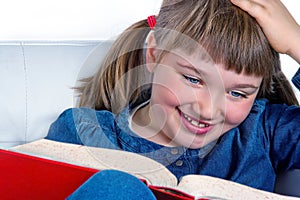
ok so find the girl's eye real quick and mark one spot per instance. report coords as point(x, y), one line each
point(237, 94)
point(192, 80)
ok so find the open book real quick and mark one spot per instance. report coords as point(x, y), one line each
point(157, 176)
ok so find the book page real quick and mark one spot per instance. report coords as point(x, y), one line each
point(206, 186)
point(99, 158)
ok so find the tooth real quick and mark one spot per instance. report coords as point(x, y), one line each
point(201, 125)
point(194, 123)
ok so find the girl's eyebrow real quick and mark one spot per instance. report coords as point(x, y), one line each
point(246, 85)
point(190, 67)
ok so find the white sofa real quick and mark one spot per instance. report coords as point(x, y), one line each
point(36, 80)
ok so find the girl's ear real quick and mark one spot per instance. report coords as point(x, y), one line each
point(151, 53)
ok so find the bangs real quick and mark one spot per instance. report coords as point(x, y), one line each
point(234, 39)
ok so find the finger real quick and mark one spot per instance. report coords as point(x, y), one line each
point(253, 7)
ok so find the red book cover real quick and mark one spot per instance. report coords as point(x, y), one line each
point(28, 177)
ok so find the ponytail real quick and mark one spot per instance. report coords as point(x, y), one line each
point(281, 91)
point(121, 74)
point(276, 87)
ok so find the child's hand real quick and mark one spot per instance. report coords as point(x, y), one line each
point(279, 26)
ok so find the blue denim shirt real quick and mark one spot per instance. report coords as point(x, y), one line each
point(265, 144)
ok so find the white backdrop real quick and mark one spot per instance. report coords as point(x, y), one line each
point(78, 19)
point(70, 19)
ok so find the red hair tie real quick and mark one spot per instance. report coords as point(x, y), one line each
point(151, 21)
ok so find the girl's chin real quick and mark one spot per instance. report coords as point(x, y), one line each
point(193, 143)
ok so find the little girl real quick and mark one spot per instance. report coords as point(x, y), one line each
point(201, 92)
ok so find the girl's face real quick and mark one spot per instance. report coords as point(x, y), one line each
point(195, 101)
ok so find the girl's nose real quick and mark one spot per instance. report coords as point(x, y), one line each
point(210, 105)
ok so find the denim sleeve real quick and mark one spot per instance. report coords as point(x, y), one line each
point(85, 126)
point(285, 133)
point(63, 129)
point(283, 125)
point(296, 79)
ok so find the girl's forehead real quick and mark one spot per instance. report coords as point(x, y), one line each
point(192, 56)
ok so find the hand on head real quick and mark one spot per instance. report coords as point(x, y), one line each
point(278, 24)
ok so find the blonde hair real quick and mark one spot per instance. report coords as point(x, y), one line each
point(229, 35)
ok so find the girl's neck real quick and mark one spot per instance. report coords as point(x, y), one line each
point(144, 125)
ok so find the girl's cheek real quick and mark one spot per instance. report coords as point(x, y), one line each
point(236, 114)
point(171, 91)
point(165, 96)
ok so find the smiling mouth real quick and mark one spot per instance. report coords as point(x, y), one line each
point(194, 122)
point(193, 125)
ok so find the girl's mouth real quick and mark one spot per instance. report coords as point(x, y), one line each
point(194, 125)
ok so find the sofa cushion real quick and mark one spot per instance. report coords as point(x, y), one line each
point(36, 80)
